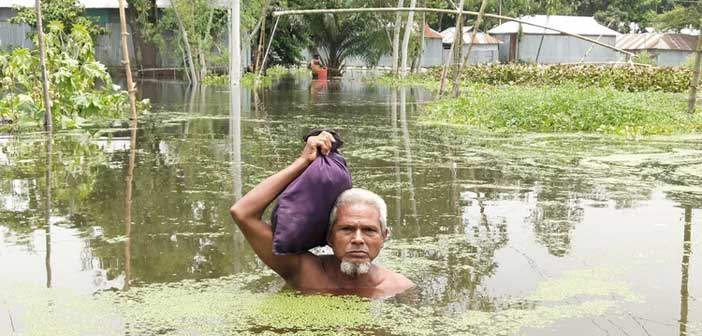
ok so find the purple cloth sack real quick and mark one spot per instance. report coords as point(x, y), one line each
point(301, 218)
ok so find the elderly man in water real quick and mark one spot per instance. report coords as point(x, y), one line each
point(358, 230)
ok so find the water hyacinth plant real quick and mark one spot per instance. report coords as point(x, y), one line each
point(566, 108)
point(622, 77)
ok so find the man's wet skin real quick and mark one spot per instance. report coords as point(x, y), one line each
point(356, 236)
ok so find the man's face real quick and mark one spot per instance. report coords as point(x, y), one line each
point(356, 237)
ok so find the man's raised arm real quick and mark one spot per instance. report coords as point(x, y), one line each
point(247, 212)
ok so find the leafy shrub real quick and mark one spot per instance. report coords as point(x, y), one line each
point(567, 108)
point(69, 12)
point(216, 80)
point(645, 58)
point(628, 78)
point(250, 79)
point(80, 87)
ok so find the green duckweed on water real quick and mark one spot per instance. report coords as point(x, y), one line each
point(249, 303)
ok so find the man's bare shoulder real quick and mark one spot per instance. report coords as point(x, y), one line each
point(396, 281)
point(311, 271)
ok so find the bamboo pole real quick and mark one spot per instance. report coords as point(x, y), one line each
point(235, 46)
point(541, 42)
point(449, 58)
point(47, 209)
point(202, 43)
point(131, 87)
point(48, 126)
point(422, 44)
point(438, 10)
point(695, 82)
point(188, 52)
point(458, 47)
point(589, 50)
point(685, 268)
point(128, 206)
point(476, 27)
point(262, 35)
point(406, 38)
point(396, 39)
point(235, 97)
point(268, 49)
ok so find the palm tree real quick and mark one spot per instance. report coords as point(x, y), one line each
point(336, 37)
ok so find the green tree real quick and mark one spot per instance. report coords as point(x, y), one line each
point(339, 36)
point(621, 14)
point(683, 15)
point(68, 12)
point(80, 86)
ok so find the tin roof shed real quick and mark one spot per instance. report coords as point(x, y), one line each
point(431, 33)
point(480, 38)
point(582, 25)
point(657, 41)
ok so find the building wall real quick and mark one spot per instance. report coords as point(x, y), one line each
point(433, 53)
point(565, 49)
point(108, 47)
point(503, 48)
point(484, 53)
point(672, 58)
point(557, 49)
point(13, 35)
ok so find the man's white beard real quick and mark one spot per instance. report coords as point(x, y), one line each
point(353, 269)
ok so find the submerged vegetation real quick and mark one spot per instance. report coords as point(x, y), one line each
point(228, 305)
point(621, 100)
point(566, 108)
point(250, 79)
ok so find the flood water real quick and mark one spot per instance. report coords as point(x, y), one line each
point(536, 234)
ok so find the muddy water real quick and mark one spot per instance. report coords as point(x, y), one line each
point(537, 234)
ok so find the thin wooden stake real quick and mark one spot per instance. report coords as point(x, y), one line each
point(476, 27)
point(191, 65)
point(131, 87)
point(128, 206)
point(692, 99)
point(235, 96)
point(449, 58)
point(268, 49)
point(406, 38)
point(396, 39)
point(262, 35)
point(422, 43)
point(48, 126)
point(235, 45)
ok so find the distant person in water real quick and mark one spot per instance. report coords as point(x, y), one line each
point(358, 230)
point(319, 70)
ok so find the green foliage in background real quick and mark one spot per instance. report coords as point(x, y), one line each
point(250, 79)
point(685, 14)
point(566, 108)
point(68, 12)
point(338, 37)
point(617, 14)
point(645, 58)
point(80, 87)
point(627, 78)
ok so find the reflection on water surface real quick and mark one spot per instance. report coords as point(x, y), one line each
point(504, 234)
